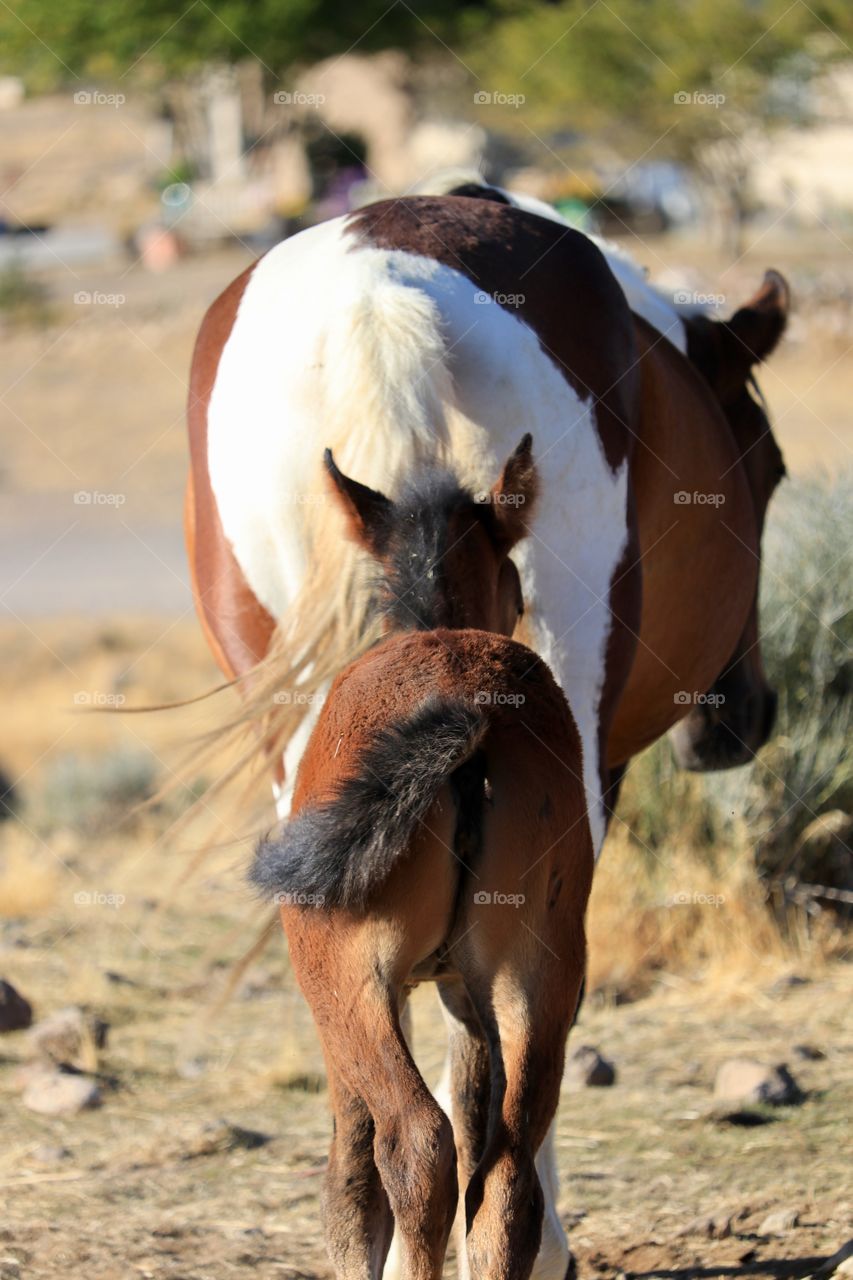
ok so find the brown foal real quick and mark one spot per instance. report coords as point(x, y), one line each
point(439, 833)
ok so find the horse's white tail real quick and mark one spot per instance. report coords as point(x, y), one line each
point(388, 386)
point(385, 397)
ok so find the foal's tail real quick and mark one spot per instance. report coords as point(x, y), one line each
point(338, 854)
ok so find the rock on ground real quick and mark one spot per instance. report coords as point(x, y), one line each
point(69, 1035)
point(744, 1081)
point(58, 1093)
point(586, 1066)
point(16, 1013)
point(778, 1222)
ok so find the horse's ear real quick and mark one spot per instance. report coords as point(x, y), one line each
point(367, 512)
point(513, 497)
point(758, 326)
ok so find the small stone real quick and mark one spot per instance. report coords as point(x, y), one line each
point(778, 1222)
point(50, 1155)
point(220, 1135)
point(745, 1081)
point(714, 1226)
point(59, 1093)
point(808, 1052)
point(70, 1036)
point(16, 1013)
point(587, 1067)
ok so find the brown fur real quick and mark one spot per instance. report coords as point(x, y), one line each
point(650, 406)
point(520, 967)
point(487, 899)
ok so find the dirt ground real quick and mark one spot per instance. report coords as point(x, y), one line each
point(205, 1158)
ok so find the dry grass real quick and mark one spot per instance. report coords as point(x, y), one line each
point(162, 1183)
point(684, 918)
point(29, 884)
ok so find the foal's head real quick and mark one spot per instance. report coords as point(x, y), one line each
point(444, 553)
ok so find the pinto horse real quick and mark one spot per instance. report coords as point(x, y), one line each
point(439, 832)
point(426, 330)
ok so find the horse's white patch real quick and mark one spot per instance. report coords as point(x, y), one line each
point(290, 382)
point(552, 1260)
point(283, 794)
point(325, 351)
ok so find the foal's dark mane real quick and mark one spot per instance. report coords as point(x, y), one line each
point(412, 588)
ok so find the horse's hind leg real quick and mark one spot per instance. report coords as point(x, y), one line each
point(356, 1211)
point(413, 1143)
point(464, 1091)
point(413, 1146)
point(521, 954)
point(505, 1203)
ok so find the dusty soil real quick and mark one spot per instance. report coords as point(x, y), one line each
point(163, 1180)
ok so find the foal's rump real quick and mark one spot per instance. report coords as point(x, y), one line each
point(424, 721)
point(338, 853)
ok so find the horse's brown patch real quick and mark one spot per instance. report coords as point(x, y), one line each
point(237, 626)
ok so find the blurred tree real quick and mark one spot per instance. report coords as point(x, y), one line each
point(688, 80)
point(50, 42)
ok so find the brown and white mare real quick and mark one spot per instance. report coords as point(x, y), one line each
point(434, 329)
point(439, 832)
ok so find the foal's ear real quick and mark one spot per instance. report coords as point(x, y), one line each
point(367, 511)
point(514, 496)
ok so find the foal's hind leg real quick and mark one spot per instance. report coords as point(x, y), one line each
point(505, 1203)
point(466, 1084)
point(464, 1092)
point(413, 1141)
point(521, 954)
point(356, 1211)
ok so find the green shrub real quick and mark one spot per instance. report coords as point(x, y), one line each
point(805, 770)
point(23, 300)
point(93, 794)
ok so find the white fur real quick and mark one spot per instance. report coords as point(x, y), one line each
point(384, 355)
point(287, 387)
